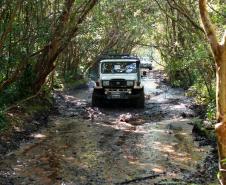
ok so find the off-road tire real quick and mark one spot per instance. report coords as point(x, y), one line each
point(96, 100)
point(140, 101)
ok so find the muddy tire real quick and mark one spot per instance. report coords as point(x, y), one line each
point(96, 100)
point(140, 100)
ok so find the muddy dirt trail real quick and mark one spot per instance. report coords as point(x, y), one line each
point(111, 145)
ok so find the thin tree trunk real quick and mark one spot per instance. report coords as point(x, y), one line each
point(9, 25)
point(14, 76)
point(219, 53)
point(46, 60)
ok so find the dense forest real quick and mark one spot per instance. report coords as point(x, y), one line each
point(44, 42)
point(52, 44)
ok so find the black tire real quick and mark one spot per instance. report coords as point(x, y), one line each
point(140, 101)
point(96, 100)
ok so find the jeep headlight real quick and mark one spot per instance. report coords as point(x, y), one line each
point(129, 83)
point(106, 83)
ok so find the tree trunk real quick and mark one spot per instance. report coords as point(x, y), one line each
point(9, 26)
point(13, 76)
point(45, 64)
point(219, 53)
point(221, 112)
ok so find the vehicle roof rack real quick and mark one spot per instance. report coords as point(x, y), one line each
point(116, 56)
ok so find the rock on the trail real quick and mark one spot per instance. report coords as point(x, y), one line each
point(208, 125)
point(187, 114)
point(174, 127)
point(126, 117)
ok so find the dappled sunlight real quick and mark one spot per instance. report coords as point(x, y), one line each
point(123, 126)
point(126, 122)
point(38, 136)
point(70, 158)
point(179, 152)
point(76, 101)
point(166, 148)
point(19, 168)
point(131, 159)
point(18, 129)
point(158, 169)
point(116, 146)
point(180, 106)
point(182, 158)
point(156, 130)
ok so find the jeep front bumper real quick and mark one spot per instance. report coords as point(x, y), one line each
point(120, 94)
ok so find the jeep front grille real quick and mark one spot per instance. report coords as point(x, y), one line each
point(118, 83)
point(118, 90)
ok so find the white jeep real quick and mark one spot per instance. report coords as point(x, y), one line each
point(119, 79)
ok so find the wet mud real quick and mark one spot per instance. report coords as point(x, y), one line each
point(114, 145)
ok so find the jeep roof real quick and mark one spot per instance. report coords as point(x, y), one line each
point(119, 60)
point(117, 56)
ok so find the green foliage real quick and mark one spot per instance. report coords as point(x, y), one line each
point(211, 111)
point(205, 132)
point(120, 26)
point(188, 60)
point(202, 94)
point(223, 161)
point(24, 84)
point(219, 175)
point(8, 96)
point(17, 91)
point(38, 105)
point(75, 83)
point(58, 83)
point(72, 76)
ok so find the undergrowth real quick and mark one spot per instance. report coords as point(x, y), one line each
point(2, 120)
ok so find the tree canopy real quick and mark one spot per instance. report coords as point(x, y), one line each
point(42, 42)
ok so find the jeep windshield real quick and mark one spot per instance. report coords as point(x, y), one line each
point(118, 67)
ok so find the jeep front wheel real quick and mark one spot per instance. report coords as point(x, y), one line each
point(96, 99)
point(140, 100)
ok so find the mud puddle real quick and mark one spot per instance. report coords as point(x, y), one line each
point(111, 146)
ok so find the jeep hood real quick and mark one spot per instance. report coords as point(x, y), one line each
point(119, 76)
